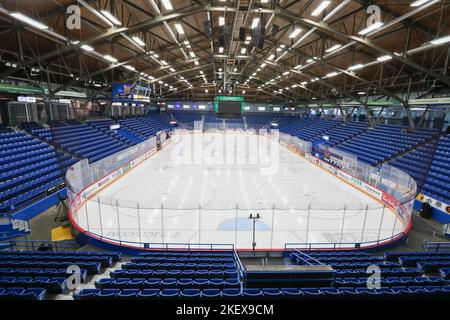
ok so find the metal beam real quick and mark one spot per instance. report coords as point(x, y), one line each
point(363, 41)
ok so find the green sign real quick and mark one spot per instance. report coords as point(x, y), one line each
point(228, 98)
point(12, 88)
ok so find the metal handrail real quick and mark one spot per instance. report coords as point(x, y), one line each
point(338, 245)
point(308, 257)
point(435, 246)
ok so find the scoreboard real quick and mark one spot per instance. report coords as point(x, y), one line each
point(229, 105)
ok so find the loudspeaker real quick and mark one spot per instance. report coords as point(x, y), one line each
point(242, 34)
point(275, 29)
point(224, 36)
point(258, 37)
point(425, 211)
point(208, 28)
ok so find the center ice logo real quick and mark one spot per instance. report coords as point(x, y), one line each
point(229, 149)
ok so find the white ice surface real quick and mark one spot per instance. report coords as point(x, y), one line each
point(210, 203)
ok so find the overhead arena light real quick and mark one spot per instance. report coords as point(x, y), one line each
point(333, 48)
point(331, 74)
point(164, 62)
point(86, 47)
point(255, 23)
point(320, 8)
point(138, 41)
point(221, 21)
point(109, 58)
point(355, 67)
point(28, 20)
point(419, 3)
point(179, 28)
point(370, 28)
point(243, 50)
point(111, 17)
point(271, 57)
point(384, 58)
point(167, 4)
point(440, 40)
point(192, 54)
point(130, 68)
point(295, 33)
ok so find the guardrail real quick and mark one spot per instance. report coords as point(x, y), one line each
point(436, 246)
point(33, 245)
point(335, 246)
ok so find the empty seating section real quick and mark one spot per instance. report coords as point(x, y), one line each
point(84, 141)
point(144, 127)
point(29, 169)
point(105, 127)
point(344, 132)
point(165, 274)
point(187, 119)
point(293, 127)
point(258, 121)
point(316, 129)
point(437, 184)
point(385, 141)
point(211, 118)
point(31, 275)
point(416, 163)
point(214, 275)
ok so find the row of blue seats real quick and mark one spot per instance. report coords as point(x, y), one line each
point(202, 254)
point(182, 259)
point(335, 254)
point(36, 272)
point(52, 285)
point(432, 266)
point(28, 195)
point(90, 267)
point(174, 273)
point(22, 293)
point(395, 255)
point(392, 282)
point(17, 191)
point(20, 181)
point(362, 273)
point(116, 256)
point(411, 261)
point(105, 127)
point(328, 260)
point(271, 293)
point(169, 265)
point(128, 283)
point(359, 265)
point(30, 160)
point(445, 273)
point(105, 261)
point(35, 151)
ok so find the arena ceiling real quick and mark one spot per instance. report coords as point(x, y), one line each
point(310, 56)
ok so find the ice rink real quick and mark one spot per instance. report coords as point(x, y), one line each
point(168, 199)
